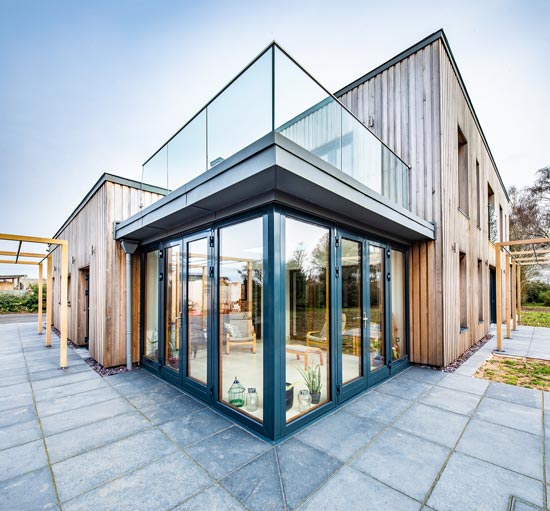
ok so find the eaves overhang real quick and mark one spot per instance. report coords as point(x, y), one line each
point(273, 170)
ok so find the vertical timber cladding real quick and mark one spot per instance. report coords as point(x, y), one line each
point(91, 244)
point(402, 106)
point(460, 230)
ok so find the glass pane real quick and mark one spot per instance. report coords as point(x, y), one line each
point(307, 317)
point(155, 171)
point(377, 348)
point(172, 305)
point(398, 308)
point(241, 316)
point(352, 314)
point(151, 327)
point(197, 309)
point(242, 113)
point(361, 153)
point(305, 113)
point(187, 153)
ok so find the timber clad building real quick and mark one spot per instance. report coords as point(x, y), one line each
point(312, 244)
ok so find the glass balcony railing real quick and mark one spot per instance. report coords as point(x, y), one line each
point(275, 94)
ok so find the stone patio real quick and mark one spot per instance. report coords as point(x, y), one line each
point(424, 440)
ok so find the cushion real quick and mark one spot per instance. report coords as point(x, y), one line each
point(233, 330)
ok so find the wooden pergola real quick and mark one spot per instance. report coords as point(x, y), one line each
point(36, 258)
point(514, 260)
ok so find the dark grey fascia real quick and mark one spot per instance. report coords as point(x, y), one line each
point(274, 170)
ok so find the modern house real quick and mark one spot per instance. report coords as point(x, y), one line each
point(310, 246)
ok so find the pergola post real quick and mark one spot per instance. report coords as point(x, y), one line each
point(514, 288)
point(507, 288)
point(40, 298)
point(63, 311)
point(49, 292)
point(499, 297)
point(519, 292)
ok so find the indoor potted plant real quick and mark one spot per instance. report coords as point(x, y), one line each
point(312, 379)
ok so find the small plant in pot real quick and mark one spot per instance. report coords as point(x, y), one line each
point(312, 379)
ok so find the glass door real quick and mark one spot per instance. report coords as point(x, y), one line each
point(196, 306)
point(170, 349)
point(353, 320)
point(377, 313)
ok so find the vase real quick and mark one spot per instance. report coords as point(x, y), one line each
point(315, 398)
point(304, 400)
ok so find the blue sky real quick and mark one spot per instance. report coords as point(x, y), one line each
point(88, 87)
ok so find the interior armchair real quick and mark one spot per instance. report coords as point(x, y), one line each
point(240, 333)
point(319, 338)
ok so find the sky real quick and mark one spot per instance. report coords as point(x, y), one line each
point(88, 87)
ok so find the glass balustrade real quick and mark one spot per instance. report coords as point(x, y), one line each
point(276, 94)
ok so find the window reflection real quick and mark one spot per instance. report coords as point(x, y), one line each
point(173, 307)
point(151, 333)
point(377, 348)
point(307, 317)
point(241, 313)
point(351, 310)
point(197, 309)
point(399, 338)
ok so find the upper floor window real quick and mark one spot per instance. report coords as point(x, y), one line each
point(491, 215)
point(478, 198)
point(463, 199)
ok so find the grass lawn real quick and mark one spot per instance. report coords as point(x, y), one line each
point(523, 372)
point(535, 316)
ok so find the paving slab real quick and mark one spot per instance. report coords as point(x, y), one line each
point(505, 413)
point(404, 388)
point(257, 485)
point(303, 470)
point(159, 486)
point(226, 451)
point(75, 418)
point(20, 433)
point(341, 434)
point(380, 407)
point(513, 394)
point(180, 406)
point(85, 438)
point(81, 473)
point(213, 498)
point(32, 491)
point(423, 375)
point(432, 424)
point(21, 459)
point(350, 489)
point(74, 401)
point(194, 427)
point(404, 462)
point(468, 483)
point(508, 448)
point(464, 384)
point(17, 415)
point(451, 400)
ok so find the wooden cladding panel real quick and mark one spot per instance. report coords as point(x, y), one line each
point(461, 232)
point(404, 104)
point(91, 244)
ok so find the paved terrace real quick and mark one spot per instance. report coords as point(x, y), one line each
point(424, 440)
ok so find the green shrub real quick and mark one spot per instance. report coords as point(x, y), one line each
point(16, 303)
point(544, 297)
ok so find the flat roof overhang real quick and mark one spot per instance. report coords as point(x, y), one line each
point(274, 170)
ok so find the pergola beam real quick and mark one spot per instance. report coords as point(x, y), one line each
point(64, 280)
point(530, 252)
point(22, 254)
point(509, 255)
